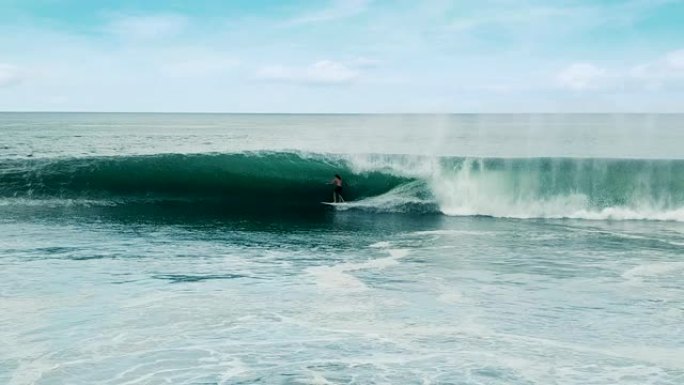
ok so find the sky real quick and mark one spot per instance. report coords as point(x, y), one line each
point(338, 56)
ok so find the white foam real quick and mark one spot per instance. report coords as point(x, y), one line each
point(621, 213)
point(55, 202)
point(318, 379)
point(471, 189)
point(334, 277)
point(400, 199)
point(453, 232)
point(653, 270)
point(381, 245)
point(572, 206)
point(31, 371)
point(450, 297)
point(398, 253)
point(665, 357)
point(339, 277)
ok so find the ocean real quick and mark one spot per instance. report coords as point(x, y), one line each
point(473, 249)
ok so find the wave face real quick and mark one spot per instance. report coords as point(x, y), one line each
point(244, 181)
point(516, 188)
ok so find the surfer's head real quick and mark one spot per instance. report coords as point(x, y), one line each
point(338, 176)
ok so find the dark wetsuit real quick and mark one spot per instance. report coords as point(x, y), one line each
point(338, 189)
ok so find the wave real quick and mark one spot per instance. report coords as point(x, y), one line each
point(619, 189)
point(242, 180)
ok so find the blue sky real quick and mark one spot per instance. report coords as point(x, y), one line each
point(342, 56)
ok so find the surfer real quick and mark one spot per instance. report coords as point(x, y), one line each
point(337, 193)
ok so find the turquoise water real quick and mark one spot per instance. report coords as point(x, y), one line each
point(477, 249)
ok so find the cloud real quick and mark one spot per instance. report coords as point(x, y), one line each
point(147, 27)
point(199, 66)
point(664, 72)
point(338, 9)
point(537, 21)
point(10, 75)
point(581, 76)
point(321, 72)
point(675, 60)
point(667, 71)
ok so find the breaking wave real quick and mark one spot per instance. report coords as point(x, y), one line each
point(618, 189)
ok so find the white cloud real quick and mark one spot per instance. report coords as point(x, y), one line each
point(147, 27)
point(199, 66)
point(664, 72)
point(538, 21)
point(321, 72)
point(582, 76)
point(9, 75)
point(675, 60)
point(338, 9)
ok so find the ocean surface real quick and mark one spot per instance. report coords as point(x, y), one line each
point(474, 249)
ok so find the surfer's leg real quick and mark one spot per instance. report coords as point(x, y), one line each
point(337, 194)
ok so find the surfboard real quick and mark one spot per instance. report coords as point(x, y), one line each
point(333, 203)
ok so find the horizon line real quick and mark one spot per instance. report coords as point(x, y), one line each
point(342, 113)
